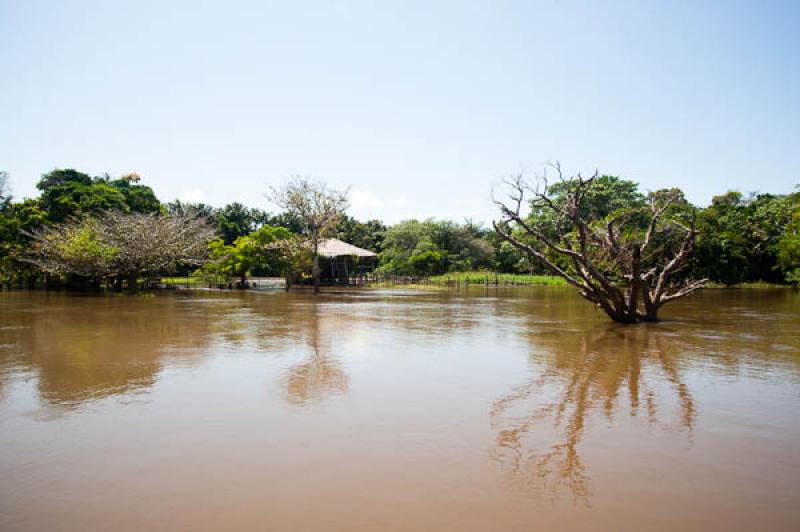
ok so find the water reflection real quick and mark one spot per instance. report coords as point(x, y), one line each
point(85, 348)
point(320, 375)
point(375, 405)
point(619, 368)
point(583, 371)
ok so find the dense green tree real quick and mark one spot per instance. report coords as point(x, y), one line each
point(367, 235)
point(261, 250)
point(287, 220)
point(788, 247)
point(770, 219)
point(17, 220)
point(739, 237)
point(608, 194)
point(414, 247)
point(138, 198)
point(426, 263)
point(67, 193)
point(233, 221)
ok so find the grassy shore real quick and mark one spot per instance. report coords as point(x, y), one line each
point(479, 277)
point(476, 277)
point(182, 281)
point(759, 284)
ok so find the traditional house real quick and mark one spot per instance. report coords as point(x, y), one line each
point(341, 263)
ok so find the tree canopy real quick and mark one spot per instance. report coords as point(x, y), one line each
point(68, 193)
point(119, 245)
point(430, 247)
point(740, 238)
point(266, 249)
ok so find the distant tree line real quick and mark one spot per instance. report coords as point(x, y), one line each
point(106, 230)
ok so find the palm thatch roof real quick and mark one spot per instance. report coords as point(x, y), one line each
point(333, 247)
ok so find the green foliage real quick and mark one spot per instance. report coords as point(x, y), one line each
point(234, 221)
point(68, 193)
point(287, 220)
point(608, 194)
point(138, 198)
point(610, 198)
point(788, 248)
point(426, 263)
point(259, 251)
point(740, 238)
point(367, 235)
point(16, 221)
point(430, 247)
point(83, 248)
point(114, 246)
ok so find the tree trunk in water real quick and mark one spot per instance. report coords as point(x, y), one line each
point(133, 282)
point(315, 268)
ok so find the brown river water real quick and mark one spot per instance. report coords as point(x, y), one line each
point(478, 410)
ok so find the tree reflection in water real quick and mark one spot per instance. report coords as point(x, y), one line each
point(320, 375)
point(85, 348)
point(582, 374)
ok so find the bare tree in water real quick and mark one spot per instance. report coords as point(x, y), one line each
point(629, 262)
point(318, 209)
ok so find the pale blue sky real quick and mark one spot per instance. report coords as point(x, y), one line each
point(420, 106)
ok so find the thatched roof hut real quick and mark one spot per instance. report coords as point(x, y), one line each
point(343, 263)
point(333, 247)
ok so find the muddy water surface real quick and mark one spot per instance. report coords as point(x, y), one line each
point(391, 410)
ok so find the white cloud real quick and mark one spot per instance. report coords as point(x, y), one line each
point(361, 199)
point(194, 195)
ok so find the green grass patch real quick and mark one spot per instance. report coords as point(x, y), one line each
point(479, 277)
point(182, 281)
point(758, 284)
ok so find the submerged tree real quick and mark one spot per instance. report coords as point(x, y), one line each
point(317, 207)
point(122, 246)
point(629, 261)
point(75, 250)
point(151, 244)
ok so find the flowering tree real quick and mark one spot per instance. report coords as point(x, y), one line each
point(123, 246)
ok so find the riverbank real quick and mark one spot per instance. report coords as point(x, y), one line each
point(477, 278)
point(488, 277)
